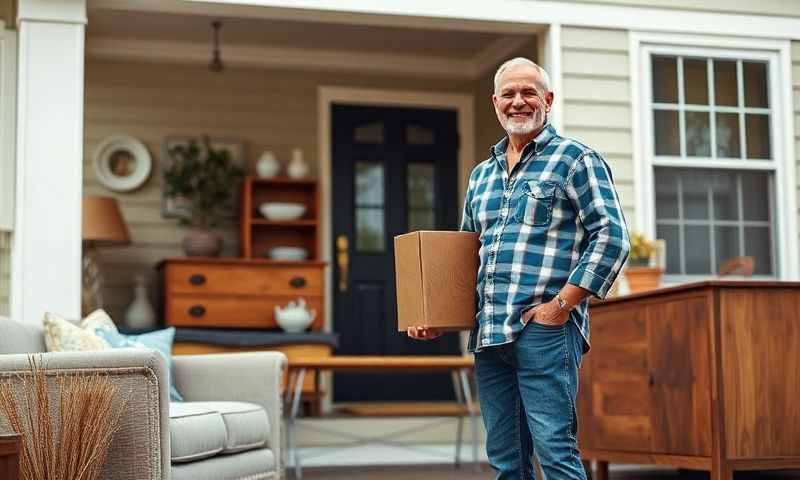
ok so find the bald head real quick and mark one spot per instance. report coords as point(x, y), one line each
point(542, 79)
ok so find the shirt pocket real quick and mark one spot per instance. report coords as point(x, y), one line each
point(535, 206)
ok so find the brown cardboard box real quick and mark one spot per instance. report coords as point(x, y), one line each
point(436, 274)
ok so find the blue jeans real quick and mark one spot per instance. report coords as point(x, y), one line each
point(527, 393)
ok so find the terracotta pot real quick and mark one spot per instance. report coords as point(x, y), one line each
point(202, 243)
point(641, 279)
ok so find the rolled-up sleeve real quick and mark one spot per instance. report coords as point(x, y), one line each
point(591, 191)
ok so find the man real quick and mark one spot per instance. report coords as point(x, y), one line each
point(552, 233)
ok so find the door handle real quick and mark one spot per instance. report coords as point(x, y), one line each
point(342, 260)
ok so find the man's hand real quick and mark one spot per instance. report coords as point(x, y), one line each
point(547, 314)
point(422, 333)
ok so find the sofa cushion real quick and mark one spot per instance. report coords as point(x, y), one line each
point(253, 465)
point(247, 424)
point(16, 337)
point(195, 431)
point(61, 335)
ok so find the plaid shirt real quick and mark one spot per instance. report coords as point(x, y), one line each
point(555, 219)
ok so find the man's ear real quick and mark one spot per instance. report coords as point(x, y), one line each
point(548, 98)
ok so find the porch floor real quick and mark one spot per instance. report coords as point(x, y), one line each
point(447, 472)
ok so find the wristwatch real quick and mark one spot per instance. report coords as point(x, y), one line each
point(562, 304)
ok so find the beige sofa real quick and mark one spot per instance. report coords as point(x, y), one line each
point(229, 427)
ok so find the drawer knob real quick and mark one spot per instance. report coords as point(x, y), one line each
point(197, 279)
point(297, 282)
point(197, 310)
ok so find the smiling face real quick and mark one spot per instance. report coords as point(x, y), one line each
point(521, 103)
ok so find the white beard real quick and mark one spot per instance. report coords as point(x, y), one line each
point(531, 124)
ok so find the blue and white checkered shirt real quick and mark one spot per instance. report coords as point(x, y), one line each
point(555, 219)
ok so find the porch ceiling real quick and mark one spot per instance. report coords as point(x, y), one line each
point(117, 34)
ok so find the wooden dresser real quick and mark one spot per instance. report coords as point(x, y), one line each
point(238, 293)
point(701, 376)
point(10, 451)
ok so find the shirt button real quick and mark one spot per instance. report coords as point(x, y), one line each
point(507, 194)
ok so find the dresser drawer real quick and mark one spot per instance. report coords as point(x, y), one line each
point(244, 279)
point(232, 312)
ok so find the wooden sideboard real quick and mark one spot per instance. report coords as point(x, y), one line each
point(700, 376)
point(238, 293)
point(10, 451)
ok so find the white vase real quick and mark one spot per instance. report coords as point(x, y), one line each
point(297, 167)
point(267, 165)
point(140, 314)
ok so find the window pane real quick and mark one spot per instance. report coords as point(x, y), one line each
point(417, 135)
point(728, 135)
point(666, 180)
point(757, 134)
point(726, 241)
point(698, 139)
point(698, 255)
point(725, 86)
point(695, 81)
point(696, 185)
point(369, 184)
point(369, 133)
point(671, 236)
point(665, 80)
point(755, 84)
point(726, 202)
point(420, 185)
point(369, 229)
point(757, 245)
point(755, 188)
point(666, 132)
point(421, 219)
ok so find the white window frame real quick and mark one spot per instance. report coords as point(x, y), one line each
point(777, 54)
point(8, 137)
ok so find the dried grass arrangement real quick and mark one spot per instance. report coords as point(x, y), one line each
point(68, 440)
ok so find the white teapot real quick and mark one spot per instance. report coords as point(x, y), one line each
point(294, 318)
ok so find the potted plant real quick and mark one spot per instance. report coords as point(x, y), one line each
point(641, 276)
point(206, 179)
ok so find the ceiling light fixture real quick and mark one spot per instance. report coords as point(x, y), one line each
point(216, 62)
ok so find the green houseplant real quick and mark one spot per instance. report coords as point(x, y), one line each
point(206, 179)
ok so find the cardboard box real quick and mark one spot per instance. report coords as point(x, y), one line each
point(436, 273)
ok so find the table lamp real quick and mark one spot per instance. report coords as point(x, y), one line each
point(102, 227)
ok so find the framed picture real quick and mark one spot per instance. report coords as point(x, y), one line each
point(179, 207)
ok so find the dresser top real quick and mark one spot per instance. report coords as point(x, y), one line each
point(238, 262)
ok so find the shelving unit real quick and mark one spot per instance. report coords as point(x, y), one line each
point(259, 235)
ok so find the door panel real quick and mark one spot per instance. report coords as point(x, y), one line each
point(394, 171)
point(618, 398)
point(680, 395)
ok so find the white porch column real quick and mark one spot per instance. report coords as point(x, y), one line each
point(46, 249)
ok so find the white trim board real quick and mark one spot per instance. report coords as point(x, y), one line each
point(8, 121)
point(778, 54)
point(500, 15)
point(463, 104)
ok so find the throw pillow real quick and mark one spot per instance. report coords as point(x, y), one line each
point(102, 326)
point(61, 335)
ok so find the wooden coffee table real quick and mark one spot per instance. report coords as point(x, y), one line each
point(10, 446)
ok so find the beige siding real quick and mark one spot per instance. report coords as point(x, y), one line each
point(275, 110)
point(596, 92)
point(5, 271)
point(757, 7)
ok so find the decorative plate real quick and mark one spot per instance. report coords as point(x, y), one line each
point(122, 163)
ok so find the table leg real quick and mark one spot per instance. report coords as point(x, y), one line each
point(460, 427)
point(291, 431)
point(464, 375)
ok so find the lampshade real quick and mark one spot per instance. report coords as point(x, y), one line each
point(102, 222)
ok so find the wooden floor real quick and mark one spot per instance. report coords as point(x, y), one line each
point(467, 473)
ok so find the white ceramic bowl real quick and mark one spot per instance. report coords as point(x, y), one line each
point(282, 211)
point(288, 253)
point(294, 317)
